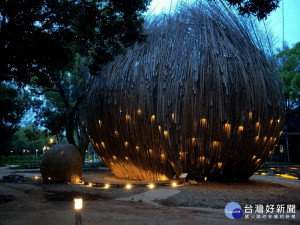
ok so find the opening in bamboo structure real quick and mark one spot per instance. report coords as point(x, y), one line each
point(198, 97)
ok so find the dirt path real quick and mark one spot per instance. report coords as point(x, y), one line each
point(31, 202)
point(30, 207)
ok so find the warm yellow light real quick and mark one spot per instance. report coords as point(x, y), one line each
point(139, 112)
point(126, 144)
point(174, 184)
point(220, 164)
point(153, 118)
point(216, 144)
point(100, 123)
point(36, 177)
point(90, 185)
point(150, 151)
point(271, 122)
point(49, 178)
point(193, 140)
point(78, 203)
point(137, 148)
point(128, 186)
point(173, 116)
point(51, 140)
point(288, 176)
point(205, 178)
point(127, 118)
point(116, 133)
point(151, 186)
point(254, 157)
point(240, 129)
point(126, 158)
point(103, 144)
point(281, 132)
point(265, 138)
point(162, 156)
point(257, 125)
point(250, 115)
point(263, 173)
point(202, 158)
point(256, 138)
point(114, 157)
point(111, 163)
point(227, 128)
point(203, 122)
point(159, 128)
point(107, 186)
point(278, 120)
point(166, 133)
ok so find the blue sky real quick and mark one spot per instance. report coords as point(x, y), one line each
point(275, 20)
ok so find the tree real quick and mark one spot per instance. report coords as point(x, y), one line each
point(41, 42)
point(289, 75)
point(14, 104)
point(260, 9)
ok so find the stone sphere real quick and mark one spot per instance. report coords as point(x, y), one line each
point(62, 163)
point(198, 97)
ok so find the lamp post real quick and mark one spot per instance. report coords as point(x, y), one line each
point(78, 207)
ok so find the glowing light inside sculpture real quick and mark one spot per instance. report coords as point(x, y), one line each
point(179, 103)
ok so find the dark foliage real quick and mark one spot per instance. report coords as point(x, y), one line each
point(259, 8)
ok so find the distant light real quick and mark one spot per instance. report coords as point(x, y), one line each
point(174, 184)
point(36, 177)
point(51, 140)
point(128, 186)
point(151, 186)
point(205, 178)
point(78, 203)
point(107, 186)
point(287, 176)
point(90, 184)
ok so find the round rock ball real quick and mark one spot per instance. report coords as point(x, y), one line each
point(198, 97)
point(62, 163)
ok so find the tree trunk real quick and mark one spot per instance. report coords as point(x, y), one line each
point(83, 141)
point(70, 127)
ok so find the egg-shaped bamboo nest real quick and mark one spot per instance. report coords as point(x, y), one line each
point(199, 97)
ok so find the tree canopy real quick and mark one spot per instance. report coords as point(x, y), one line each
point(39, 38)
point(260, 9)
point(14, 104)
point(289, 74)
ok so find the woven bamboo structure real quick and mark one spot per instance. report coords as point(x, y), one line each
point(198, 97)
point(62, 163)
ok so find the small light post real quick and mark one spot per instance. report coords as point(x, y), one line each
point(78, 207)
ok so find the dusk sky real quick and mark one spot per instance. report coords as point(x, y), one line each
point(275, 19)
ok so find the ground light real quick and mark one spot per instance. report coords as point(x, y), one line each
point(78, 207)
point(174, 184)
point(107, 186)
point(151, 186)
point(128, 186)
point(287, 176)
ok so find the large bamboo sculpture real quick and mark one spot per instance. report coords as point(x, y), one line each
point(198, 97)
